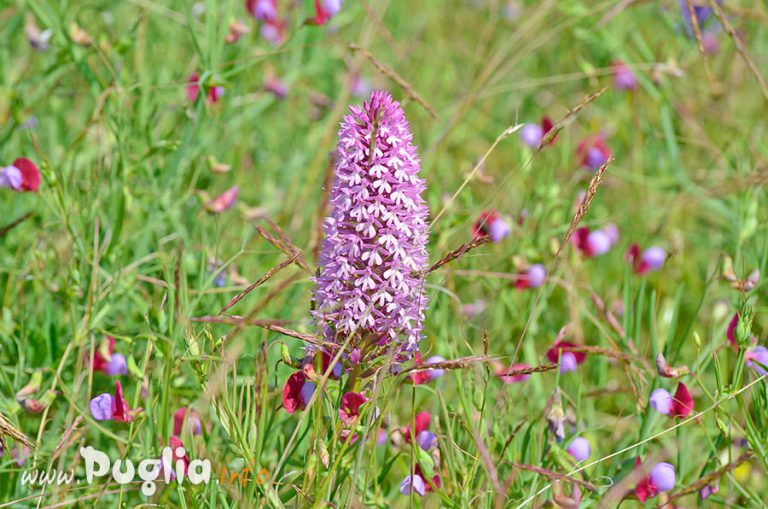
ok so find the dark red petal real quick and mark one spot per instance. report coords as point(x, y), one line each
point(178, 420)
point(579, 240)
point(292, 399)
point(682, 403)
point(480, 228)
point(554, 353)
point(30, 175)
point(731, 333)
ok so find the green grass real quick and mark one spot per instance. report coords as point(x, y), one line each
point(119, 243)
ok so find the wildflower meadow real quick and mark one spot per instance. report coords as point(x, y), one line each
point(383, 253)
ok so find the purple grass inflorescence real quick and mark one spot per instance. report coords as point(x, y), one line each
point(368, 284)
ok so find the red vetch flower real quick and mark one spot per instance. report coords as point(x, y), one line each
point(649, 260)
point(324, 11)
point(661, 478)
point(297, 392)
point(122, 412)
point(533, 277)
point(224, 201)
point(490, 223)
point(193, 88)
point(568, 357)
point(421, 423)
point(106, 407)
point(263, 10)
point(30, 174)
point(731, 332)
point(425, 375)
point(593, 242)
point(682, 402)
point(193, 420)
point(178, 453)
point(592, 152)
point(503, 375)
point(102, 355)
point(327, 358)
point(350, 407)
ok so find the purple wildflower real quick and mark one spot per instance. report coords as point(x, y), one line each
point(427, 440)
point(755, 357)
point(536, 275)
point(661, 401)
point(531, 135)
point(11, 177)
point(653, 258)
point(376, 234)
point(663, 476)
point(102, 406)
point(580, 449)
point(623, 77)
point(568, 362)
point(702, 13)
point(413, 483)
point(599, 242)
point(498, 230)
point(117, 365)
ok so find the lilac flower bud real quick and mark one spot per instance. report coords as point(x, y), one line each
point(623, 77)
point(531, 135)
point(598, 242)
point(536, 275)
point(663, 476)
point(427, 440)
point(498, 229)
point(661, 401)
point(11, 177)
point(415, 483)
point(756, 356)
point(376, 234)
point(568, 362)
point(102, 407)
point(653, 258)
point(117, 365)
point(580, 449)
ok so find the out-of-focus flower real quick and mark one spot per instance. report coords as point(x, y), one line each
point(236, 30)
point(756, 358)
point(735, 282)
point(38, 40)
point(490, 223)
point(297, 392)
point(324, 11)
point(661, 478)
point(593, 242)
point(273, 31)
point(533, 278)
point(623, 77)
point(79, 36)
point(592, 152)
point(426, 375)
point(580, 449)
point(215, 267)
point(681, 405)
point(650, 260)
point(22, 175)
point(421, 422)
point(276, 87)
point(191, 417)
point(569, 358)
point(262, 10)
point(214, 93)
point(709, 490)
point(506, 374)
point(359, 85)
point(179, 454)
point(376, 235)
point(350, 407)
point(703, 13)
point(534, 134)
point(224, 201)
point(474, 308)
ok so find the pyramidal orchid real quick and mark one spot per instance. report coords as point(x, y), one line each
point(368, 285)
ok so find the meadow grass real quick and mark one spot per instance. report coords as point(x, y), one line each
point(119, 243)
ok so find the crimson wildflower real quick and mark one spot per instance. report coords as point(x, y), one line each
point(592, 152)
point(490, 223)
point(661, 478)
point(756, 358)
point(193, 88)
point(178, 454)
point(420, 423)
point(565, 353)
point(106, 407)
point(417, 483)
point(191, 417)
point(679, 405)
point(263, 10)
point(533, 134)
point(350, 407)
point(324, 11)
point(23, 175)
point(426, 375)
point(532, 278)
point(649, 260)
point(375, 237)
point(594, 242)
point(731, 331)
point(297, 392)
